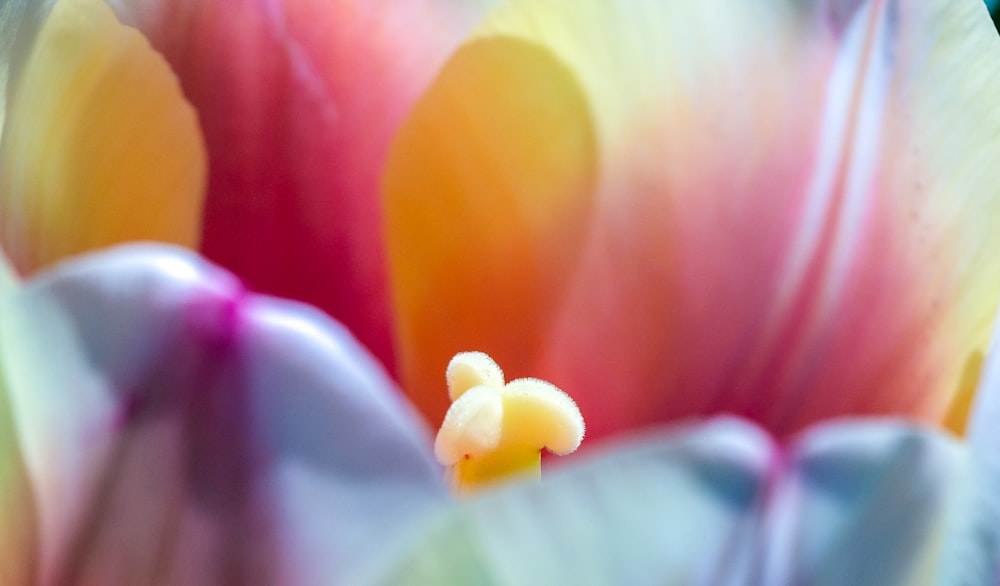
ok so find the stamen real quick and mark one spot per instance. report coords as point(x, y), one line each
point(494, 431)
point(469, 369)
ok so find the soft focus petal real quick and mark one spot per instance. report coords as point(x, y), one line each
point(18, 532)
point(99, 146)
point(677, 510)
point(878, 503)
point(984, 440)
point(298, 100)
point(857, 503)
point(791, 212)
point(19, 23)
point(9, 279)
point(178, 430)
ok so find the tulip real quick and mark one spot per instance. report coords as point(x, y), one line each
point(162, 424)
point(173, 428)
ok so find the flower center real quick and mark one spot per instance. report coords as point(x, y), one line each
point(494, 431)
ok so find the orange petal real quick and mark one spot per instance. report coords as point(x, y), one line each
point(487, 192)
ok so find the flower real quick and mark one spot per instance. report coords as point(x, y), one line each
point(159, 423)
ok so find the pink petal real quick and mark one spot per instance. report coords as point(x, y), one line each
point(834, 263)
point(298, 100)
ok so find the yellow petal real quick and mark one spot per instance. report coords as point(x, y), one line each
point(99, 145)
point(487, 193)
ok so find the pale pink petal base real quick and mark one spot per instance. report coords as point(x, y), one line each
point(179, 430)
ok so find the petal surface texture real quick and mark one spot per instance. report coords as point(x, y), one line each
point(856, 503)
point(784, 210)
point(298, 100)
point(99, 145)
point(178, 430)
point(18, 532)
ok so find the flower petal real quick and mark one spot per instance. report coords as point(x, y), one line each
point(178, 430)
point(18, 533)
point(984, 440)
point(488, 191)
point(790, 217)
point(677, 510)
point(876, 502)
point(19, 23)
point(298, 101)
point(99, 145)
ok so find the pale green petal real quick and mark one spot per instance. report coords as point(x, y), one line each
point(875, 502)
point(675, 510)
